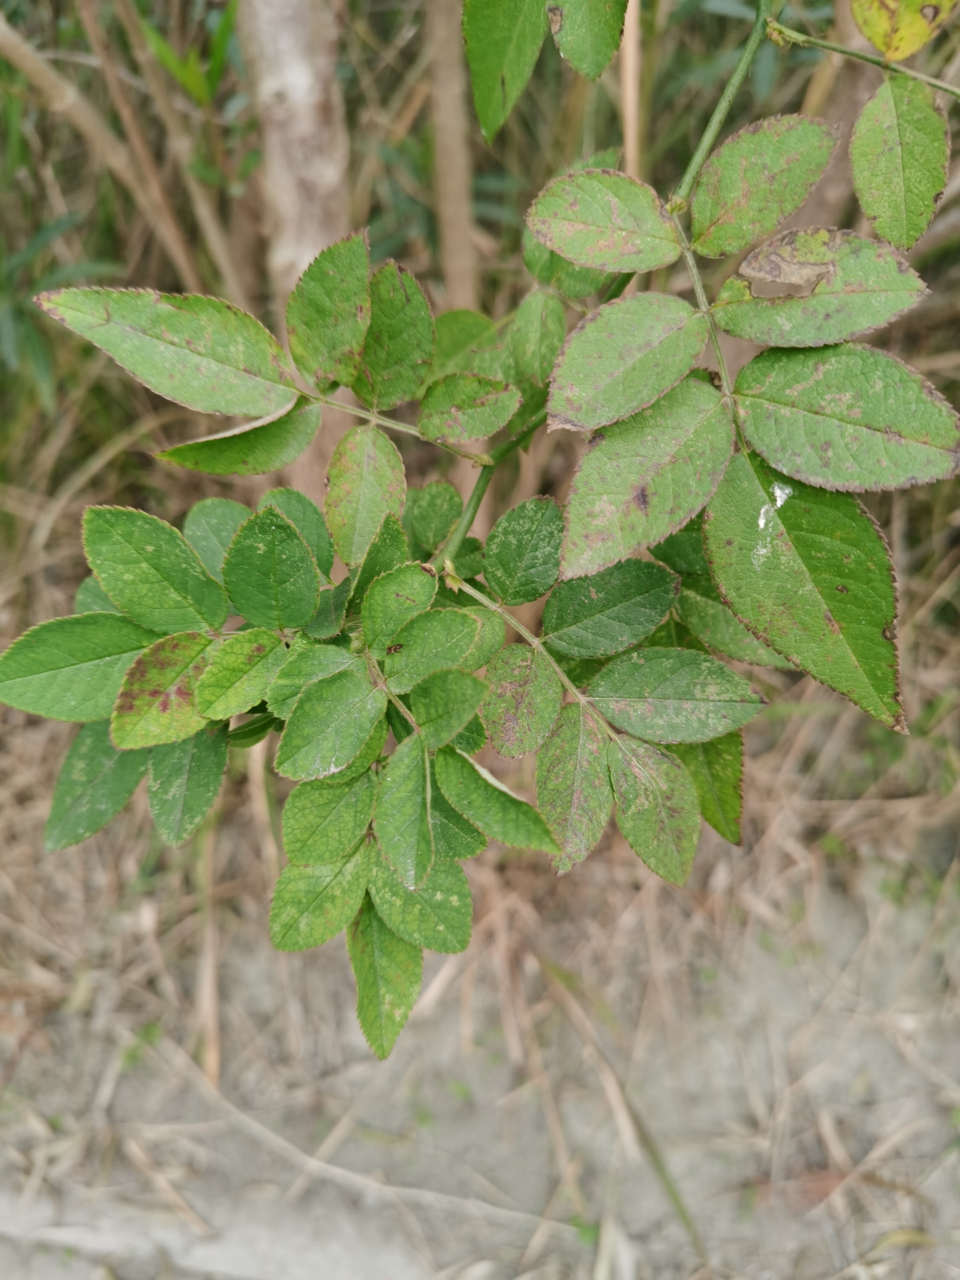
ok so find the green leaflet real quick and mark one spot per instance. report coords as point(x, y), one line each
point(250, 451)
point(270, 573)
point(95, 782)
point(466, 406)
point(657, 809)
point(900, 153)
point(717, 771)
point(150, 572)
point(200, 352)
point(399, 345)
point(548, 268)
point(444, 703)
point(523, 702)
point(308, 519)
point(573, 785)
point(392, 600)
point(430, 514)
point(331, 607)
point(608, 612)
point(254, 730)
point(185, 780)
point(503, 42)
point(91, 598)
point(239, 673)
point(674, 635)
point(210, 527)
point(388, 973)
point(847, 417)
point(156, 702)
point(487, 803)
point(643, 478)
point(537, 334)
point(701, 608)
point(683, 551)
point(368, 753)
point(329, 725)
point(605, 220)
point(323, 821)
point(580, 671)
point(71, 668)
point(624, 356)
point(365, 481)
point(453, 836)
point(855, 285)
point(312, 904)
point(493, 635)
point(438, 915)
point(809, 572)
point(471, 737)
point(673, 695)
point(757, 178)
point(430, 642)
point(402, 816)
point(302, 667)
point(522, 556)
point(389, 550)
point(329, 312)
point(587, 33)
point(468, 342)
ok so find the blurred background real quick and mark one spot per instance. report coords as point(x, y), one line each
point(755, 1076)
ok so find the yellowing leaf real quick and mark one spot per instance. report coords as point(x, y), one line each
point(899, 27)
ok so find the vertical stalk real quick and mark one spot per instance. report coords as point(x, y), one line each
point(630, 72)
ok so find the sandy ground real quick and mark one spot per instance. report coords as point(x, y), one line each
point(783, 1035)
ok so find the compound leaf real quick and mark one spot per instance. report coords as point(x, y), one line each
point(573, 785)
point(809, 572)
point(306, 517)
point(184, 781)
point(855, 285)
point(210, 526)
point(150, 572)
point(716, 768)
point(388, 971)
point(365, 481)
point(597, 218)
point(849, 417)
point(392, 600)
point(95, 782)
point(756, 179)
point(430, 642)
point(490, 806)
point(523, 702)
point(657, 809)
point(71, 668)
point(312, 904)
point(900, 154)
point(521, 560)
point(503, 42)
point(399, 345)
point(157, 700)
point(249, 451)
point(673, 695)
point(587, 32)
point(270, 573)
point(438, 914)
point(466, 406)
point(329, 725)
point(199, 352)
point(239, 673)
point(444, 703)
point(329, 312)
point(323, 821)
point(643, 478)
point(609, 611)
point(622, 357)
point(402, 816)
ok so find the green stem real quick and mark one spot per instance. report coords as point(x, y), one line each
point(404, 428)
point(785, 35)
point(453, 544)
point(722, 109)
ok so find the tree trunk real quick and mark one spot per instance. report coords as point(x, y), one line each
point(291, 50)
